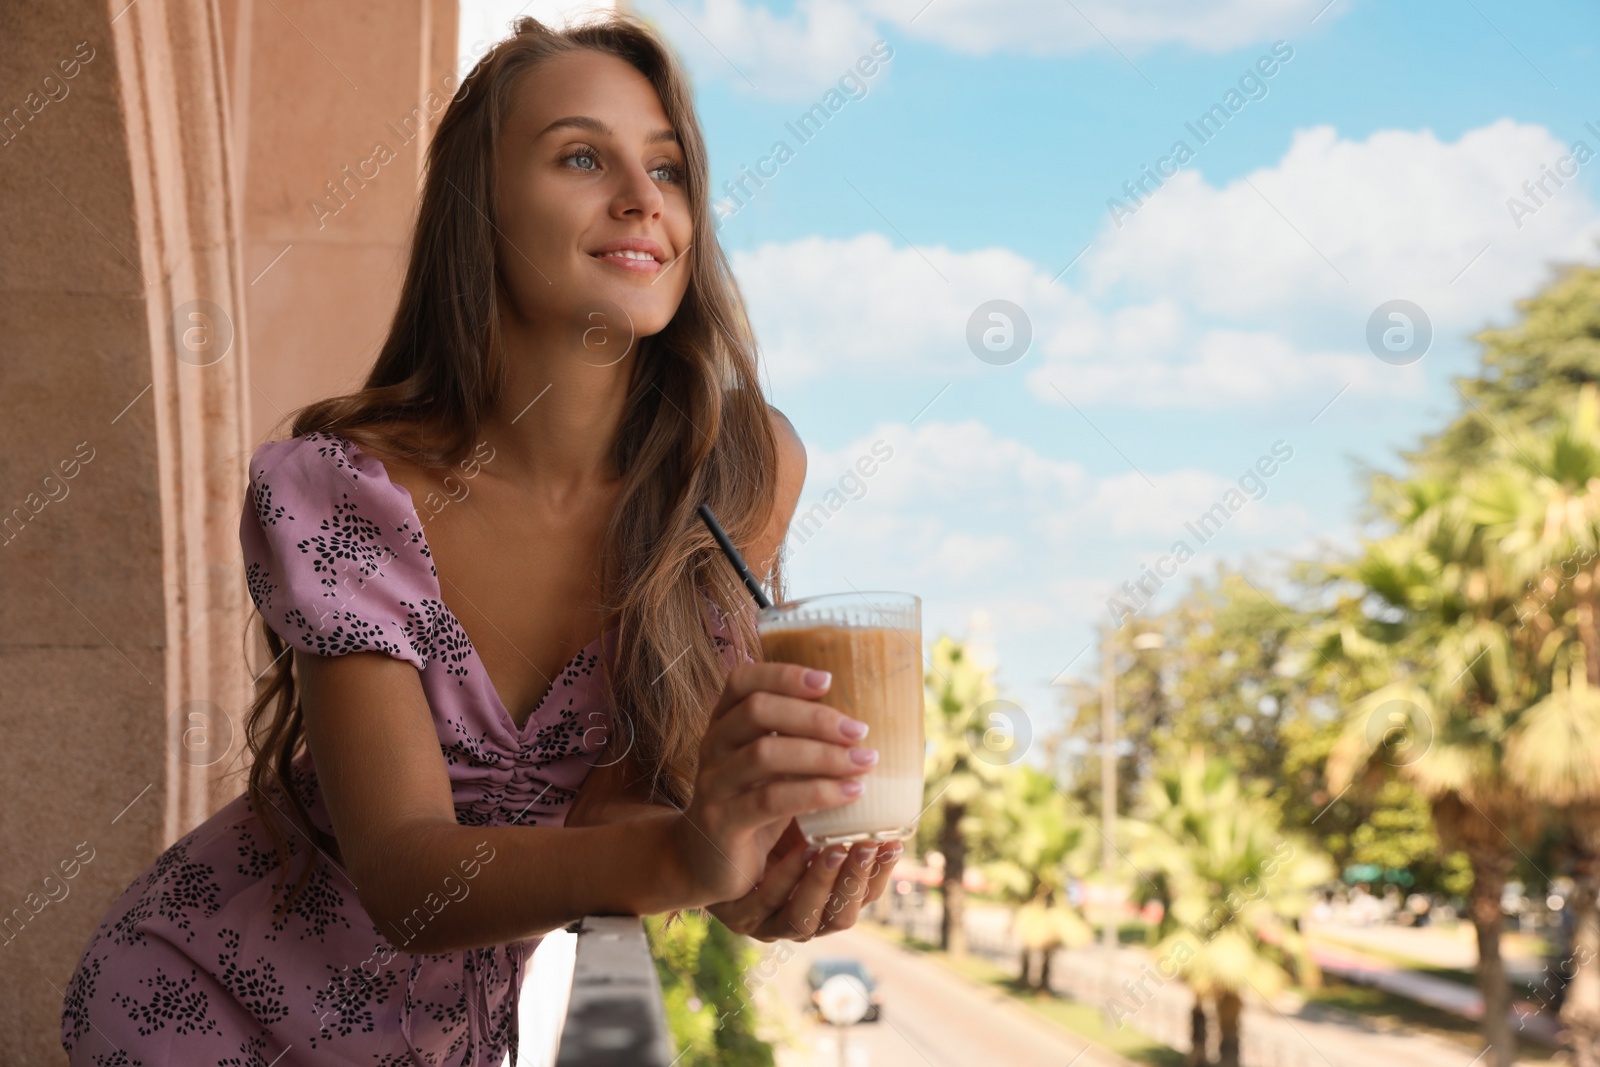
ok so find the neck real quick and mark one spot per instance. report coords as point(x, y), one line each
point(557, 419)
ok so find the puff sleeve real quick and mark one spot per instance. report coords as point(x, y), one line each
point(334, 555)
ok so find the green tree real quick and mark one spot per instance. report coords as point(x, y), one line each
point(1542, 501)
point(1040, 841)
point(1231, 883)
point(1437, 595)
point(1224, 674)
point(702, 964)
point(1145, 709)
point(1235, 673)
point(1397, 834)
point(1474, 604)
point(1234, 678)
point(1529, 372)
point(960, 787)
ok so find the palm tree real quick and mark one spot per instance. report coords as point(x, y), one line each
point(1232, 886)
point(1437, 596)
point(1553, 754)
point(1040, 841)
point(961, 788)
point(1475, 660)
point(1530, 370)
point(1542, 501)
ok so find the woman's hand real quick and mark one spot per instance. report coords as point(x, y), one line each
point(805, 893)
point(770, 752)
point(801, 894)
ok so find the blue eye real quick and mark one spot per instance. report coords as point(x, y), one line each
point(674, 172)
point(581, 153)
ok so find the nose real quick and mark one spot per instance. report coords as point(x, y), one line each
point(637, 194)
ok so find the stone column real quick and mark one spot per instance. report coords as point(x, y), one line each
point(121, 455)
point(331, 184)
point(155, 158)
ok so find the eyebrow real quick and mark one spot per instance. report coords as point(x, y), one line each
point(595, 126)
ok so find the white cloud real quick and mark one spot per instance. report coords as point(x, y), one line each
point(1258, 291)
point(913, 502)
point(800, 54)
point(1051, 27)
point(822, 304)
point(748, 46)
point(863, 308)
point(1337, 226)
point(936, 464)
point(972, 519)
point(796, 56)
point(963, 557)
point(1127, 504)
point(910, 509)
point(1207, 368)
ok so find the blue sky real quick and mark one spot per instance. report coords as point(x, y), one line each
point(1228, 313)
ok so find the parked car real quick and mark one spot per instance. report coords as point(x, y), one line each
point(830, 966)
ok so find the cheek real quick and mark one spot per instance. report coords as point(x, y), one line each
point(533, 206)
point(680, 226)
point(536, 228)
point(680, 231)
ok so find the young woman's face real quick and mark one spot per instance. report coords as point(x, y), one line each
point(587, 162)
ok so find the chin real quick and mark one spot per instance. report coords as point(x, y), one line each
point(648, 317)
point(632, 319)
point(653, 325)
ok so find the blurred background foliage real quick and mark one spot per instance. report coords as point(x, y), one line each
point(703, 966)
point(1419, 711)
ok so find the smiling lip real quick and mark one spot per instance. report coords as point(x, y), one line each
point(632, 265)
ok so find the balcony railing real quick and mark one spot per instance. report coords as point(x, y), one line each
point(614, 1011)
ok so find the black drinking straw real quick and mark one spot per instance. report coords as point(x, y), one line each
point(734, 558)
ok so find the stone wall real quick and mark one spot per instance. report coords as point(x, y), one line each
point(169, 291)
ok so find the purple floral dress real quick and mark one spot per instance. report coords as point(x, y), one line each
point(189, 965)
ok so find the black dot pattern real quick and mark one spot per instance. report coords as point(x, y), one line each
point(168, 1000)
point(192, 963)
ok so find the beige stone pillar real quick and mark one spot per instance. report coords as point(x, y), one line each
point(331, 183)
point(122, 445)
point(155, 158)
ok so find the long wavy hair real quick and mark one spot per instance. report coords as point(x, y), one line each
point(696, 430)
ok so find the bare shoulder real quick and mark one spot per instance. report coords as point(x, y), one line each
point(791, 477)
point(414, 477)
point(791, 456)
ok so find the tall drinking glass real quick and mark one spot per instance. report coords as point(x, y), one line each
point(872, 644)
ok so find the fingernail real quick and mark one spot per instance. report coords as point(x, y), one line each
point(854, 729)
point(811, 854)
point(817, 679)
point(891, 852)
point(865, 757)
point(864, 853)
point(852, 787)
point(836, 857)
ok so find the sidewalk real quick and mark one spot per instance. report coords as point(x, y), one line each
point(1355, 966)
point(1453, 947)
point(1286, 1034)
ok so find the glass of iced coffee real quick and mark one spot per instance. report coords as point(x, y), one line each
point(872, 644)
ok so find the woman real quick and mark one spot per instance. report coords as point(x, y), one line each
point(511, 684)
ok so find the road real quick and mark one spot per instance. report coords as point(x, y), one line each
point(930, 1016)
